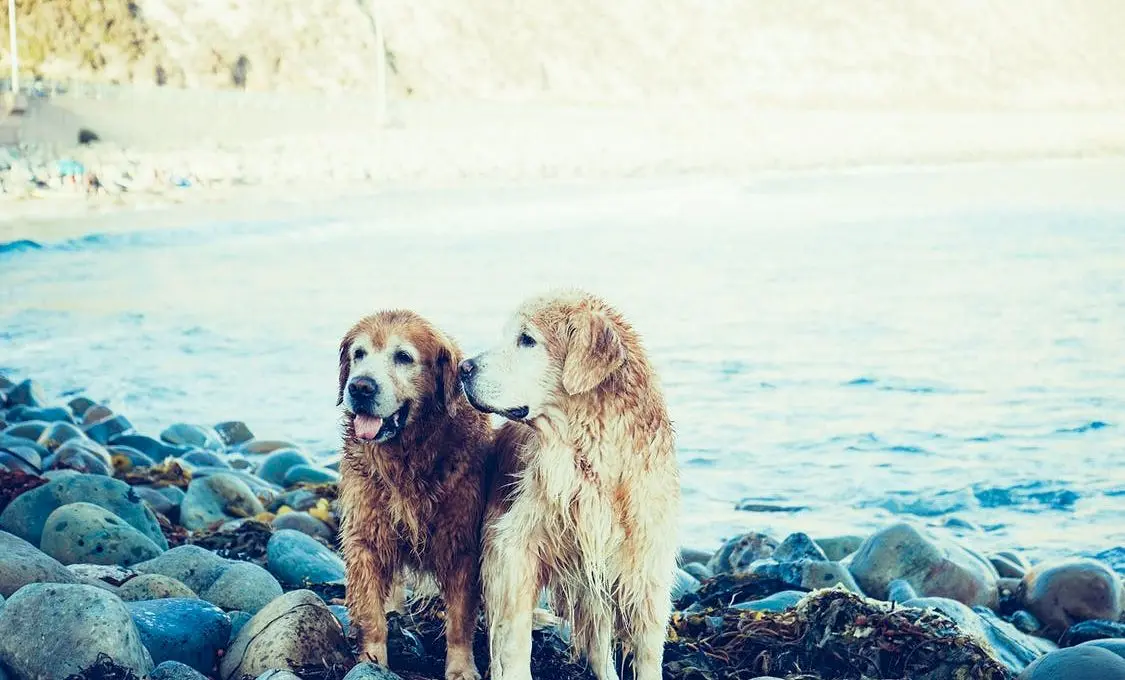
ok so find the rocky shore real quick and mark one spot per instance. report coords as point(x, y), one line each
point(208, 552)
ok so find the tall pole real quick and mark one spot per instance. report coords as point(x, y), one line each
point(15, 52)
point(380, 66)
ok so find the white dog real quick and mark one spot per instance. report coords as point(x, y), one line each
point(588, 508)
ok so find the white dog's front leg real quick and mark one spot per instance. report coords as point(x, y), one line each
point(508, 575)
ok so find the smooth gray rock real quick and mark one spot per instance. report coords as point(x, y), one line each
point(105, 576)
point(933, 567)
point(154, 449)
point(79, 405)
point(683, 584)
point(371, 671)
point(699, 571)
point(83, 533)
point(740, 552)
point(278, 674)
point(1117, 646)
point(22, 563)
point(27, 393)
point(182, 434)
point(1014, 648)
point(190, 631)
point(295, 629)
point(46, 414)
point(57, 434)
point(26, 515)
point(199, 458)
point(901, 591)
point(161, 501)
point(1062, 594)
point(153, 587)
point(228, 584)
point(174, 670)
point(264, 446)
point(1077, 663)
point(104, 431)
point(234, 432)
point(309, 474)
point(299, 559)
point(303, 522)
point(839, 547)
point(798, 547)
point(51, 631)
point(128, 458)
point(277, 464)
point(81, 455)
point(807, 574)
point(217, 498)
point(778, 602)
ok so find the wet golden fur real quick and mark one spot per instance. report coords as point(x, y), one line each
point(589, 507)
point(416, 502)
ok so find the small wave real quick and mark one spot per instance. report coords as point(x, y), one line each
point(1114, 557)
point(1091, 426)
point(20, 246)
point(895, 386)
point(1032, 493)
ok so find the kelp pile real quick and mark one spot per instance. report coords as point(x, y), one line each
point(104, 668)
point(244, 541)
point(830, 635)
point(168, 473)
point(14, 483)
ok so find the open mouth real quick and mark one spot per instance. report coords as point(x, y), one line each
point(377, 430)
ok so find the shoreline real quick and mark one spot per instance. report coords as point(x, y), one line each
point(308, 154)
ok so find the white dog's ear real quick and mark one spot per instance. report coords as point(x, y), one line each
point(595, 351)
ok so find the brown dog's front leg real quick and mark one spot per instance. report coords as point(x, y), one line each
point(461, 590)
point(368, 585)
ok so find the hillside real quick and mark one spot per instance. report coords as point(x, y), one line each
point(978, 54)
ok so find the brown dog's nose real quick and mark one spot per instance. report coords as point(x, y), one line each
point(362, 388)
point(467, 368)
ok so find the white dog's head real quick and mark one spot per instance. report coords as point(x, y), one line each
point(554, 348)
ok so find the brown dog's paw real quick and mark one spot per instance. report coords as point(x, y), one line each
point(463, 673)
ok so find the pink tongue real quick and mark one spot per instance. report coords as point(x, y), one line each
point(366, 427)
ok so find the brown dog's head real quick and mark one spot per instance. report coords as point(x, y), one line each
point(555, 347)
point(396, 370)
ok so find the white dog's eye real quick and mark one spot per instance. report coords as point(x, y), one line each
point(359, 354)
point(403, 359)
point(525, 340)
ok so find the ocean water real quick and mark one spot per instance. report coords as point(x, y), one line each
point(838, 350)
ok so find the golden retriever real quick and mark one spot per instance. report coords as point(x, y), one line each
point(416, 460)
point(590, 511)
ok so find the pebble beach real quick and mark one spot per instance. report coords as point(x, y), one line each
point(210, 552)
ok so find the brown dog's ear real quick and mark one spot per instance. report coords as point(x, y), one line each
point(595, 351)
point(345, 366)
point(446, 385)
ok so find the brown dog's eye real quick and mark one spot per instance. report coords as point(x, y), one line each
point(403, 359)
point(526, 340)
point(359, 354)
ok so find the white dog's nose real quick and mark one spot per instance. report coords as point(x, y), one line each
point(467, 368)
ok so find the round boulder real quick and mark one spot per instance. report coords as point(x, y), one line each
point(27, 393)
point(106, 429)
point(22, 563)
point(234, 432)
point(217, 498)
point(153, 587)
point(1076, 663)
point(81, 455)
point(309, 474)
point(83, 533)
point(182, 434)
point(277, 464)
point(56, 434)
point(294, 630)
point(299, 559)
point(186, 630)
point(50, 631)
point(933, 567)
point(26, 515)
point(1063, 594)
point(303, 522)
point(227, 584)
point(740, 552)
point(174, 670)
